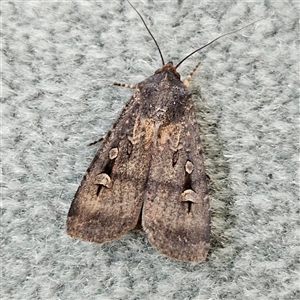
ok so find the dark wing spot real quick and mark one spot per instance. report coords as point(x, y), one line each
point(175, 158)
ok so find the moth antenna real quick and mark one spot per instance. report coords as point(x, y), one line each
point(162, 59)
point(130, 86)
point(214, 41)
point(189, 77)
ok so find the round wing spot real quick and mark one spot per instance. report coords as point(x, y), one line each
point(113, 153)
point(189, 167)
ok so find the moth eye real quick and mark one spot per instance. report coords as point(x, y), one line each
point(113, 153)
point(175, 158)
point(189, 167)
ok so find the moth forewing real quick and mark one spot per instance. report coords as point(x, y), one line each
point(101, 212)
point(176, 213)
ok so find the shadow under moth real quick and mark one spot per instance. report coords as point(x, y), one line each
point(149, 170)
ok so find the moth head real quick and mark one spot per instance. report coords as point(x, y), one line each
point(168, 67)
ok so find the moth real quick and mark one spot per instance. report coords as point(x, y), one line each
point(149, 170)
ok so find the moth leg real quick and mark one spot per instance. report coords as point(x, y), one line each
point(130, 86)
point(186, 81)
point(96, 142)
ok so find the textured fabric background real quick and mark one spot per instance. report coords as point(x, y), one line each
point(59, 60)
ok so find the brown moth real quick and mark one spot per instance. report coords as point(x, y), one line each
point(149, 169)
